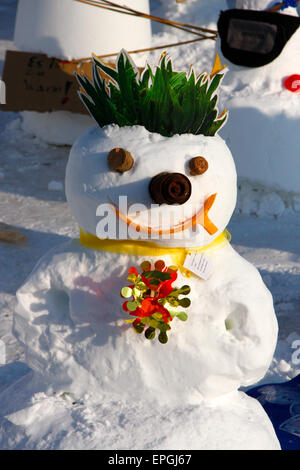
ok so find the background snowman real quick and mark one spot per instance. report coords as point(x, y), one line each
point(261, 49)
point(202, 333)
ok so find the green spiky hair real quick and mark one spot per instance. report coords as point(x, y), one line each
point(163, 101)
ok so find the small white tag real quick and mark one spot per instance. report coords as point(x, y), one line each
point(199, 264)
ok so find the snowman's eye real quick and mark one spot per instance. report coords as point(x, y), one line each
point(198, 166)
point(120, 160)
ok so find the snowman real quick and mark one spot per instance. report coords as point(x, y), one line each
point(71, 30)
point(260, 44)
point(151, 320)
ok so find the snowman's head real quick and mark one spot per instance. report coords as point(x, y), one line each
point(260, 47)
point(126, 181)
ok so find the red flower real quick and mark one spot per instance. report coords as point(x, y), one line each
point(166, 287)
point(150, 306)
point(158, 288)
point(133, 270)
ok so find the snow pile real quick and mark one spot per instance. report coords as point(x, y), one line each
point(262, 201)
point(61, 421)
point(59, 127)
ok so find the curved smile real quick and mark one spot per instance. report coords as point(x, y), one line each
point(199, 218)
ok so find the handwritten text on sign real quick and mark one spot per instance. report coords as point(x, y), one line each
point(36, 82)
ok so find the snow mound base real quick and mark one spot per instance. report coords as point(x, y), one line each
point(64, 422)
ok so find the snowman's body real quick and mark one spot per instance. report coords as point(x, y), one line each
point(227, 341)
point(71, 30)
point(262, 132)
point(69, 316)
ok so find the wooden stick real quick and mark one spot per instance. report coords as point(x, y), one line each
point(87, 59)
point(157, 47)
point(126, 10)
point(275, 8)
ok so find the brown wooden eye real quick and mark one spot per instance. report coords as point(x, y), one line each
point(120, 160)
point(198, 166)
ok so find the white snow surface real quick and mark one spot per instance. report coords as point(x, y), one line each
point(54, 28)
point(57, 127)
point(61, 421)
point(265, 230)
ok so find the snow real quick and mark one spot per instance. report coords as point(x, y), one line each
point(72, 425)
point(270, 241)
point(41, 26)
point(87, 347)
point(58, 127)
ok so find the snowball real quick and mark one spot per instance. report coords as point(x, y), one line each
point(271, 205)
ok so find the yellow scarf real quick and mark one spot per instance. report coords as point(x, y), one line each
point(145, 248)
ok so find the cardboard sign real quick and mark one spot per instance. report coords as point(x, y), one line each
point(36, 82)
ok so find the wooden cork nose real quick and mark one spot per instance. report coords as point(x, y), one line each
point(198, 166)
point(120, 160)
point(170, 188)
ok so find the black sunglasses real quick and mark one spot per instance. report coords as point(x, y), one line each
point(254, 38)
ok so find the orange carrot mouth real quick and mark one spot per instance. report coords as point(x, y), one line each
point(201, 218)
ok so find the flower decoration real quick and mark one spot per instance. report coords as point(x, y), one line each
point(153, 300)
